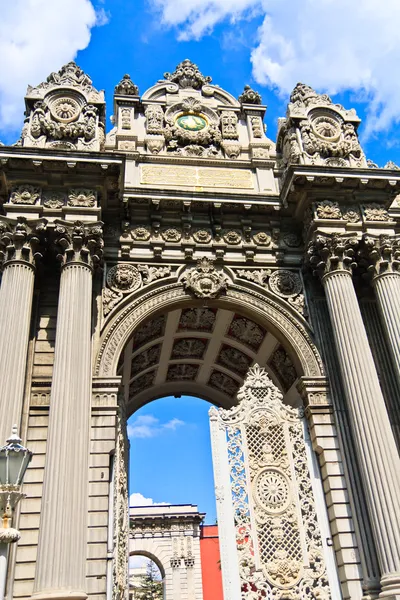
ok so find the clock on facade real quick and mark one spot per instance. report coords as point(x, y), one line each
point(191, 122)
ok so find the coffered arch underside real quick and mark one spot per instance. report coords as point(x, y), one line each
point(283, 330)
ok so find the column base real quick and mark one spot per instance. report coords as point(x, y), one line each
point(390, 587)
point(60, 595)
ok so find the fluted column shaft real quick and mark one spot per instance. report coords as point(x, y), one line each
point(374, 439)
point(16, 293)
point(62, 539)
point(387, 291)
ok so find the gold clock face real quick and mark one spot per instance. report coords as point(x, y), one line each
point(191, 122)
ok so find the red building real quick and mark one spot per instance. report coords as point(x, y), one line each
point(210, 563)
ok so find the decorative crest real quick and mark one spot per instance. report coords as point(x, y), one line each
point(250, 96)
point(188, 75)
point(70, 75)
point(126, 87)
point(205, 281)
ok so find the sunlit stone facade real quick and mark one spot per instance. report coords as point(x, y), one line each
point(184, 252)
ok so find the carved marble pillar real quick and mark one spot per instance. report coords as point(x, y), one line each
point(333, 257)
point(383, 255)
point(61, 562)
point(19, 249)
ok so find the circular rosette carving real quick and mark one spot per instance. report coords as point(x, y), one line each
point(285, 283)
point(326, 126)
point(65, 109)
point(202, 236)
point(124, 278)
point(272, 491)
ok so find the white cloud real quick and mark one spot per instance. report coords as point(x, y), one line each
point(137, 499)
point(36, 38)
point(147, 426)
point(332, 45)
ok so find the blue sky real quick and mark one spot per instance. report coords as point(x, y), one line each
point(170, 457)
point(348, 49)
point(351, 50)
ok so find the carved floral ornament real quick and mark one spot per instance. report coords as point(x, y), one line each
point(205, 281)
point(279, 547)
point(126, 87)
point(332, 252)
point(380, 254)
point(187, 75)
point(25, 194)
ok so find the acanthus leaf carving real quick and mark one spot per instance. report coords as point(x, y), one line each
point(82, 197)
point(380, 254)
point(25, 194)
point(332, 252)
point(79, 242)
point(22, 239)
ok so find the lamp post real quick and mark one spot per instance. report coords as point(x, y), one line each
point(14, 460)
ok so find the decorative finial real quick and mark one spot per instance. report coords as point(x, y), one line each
point(249, 96)
point(188, 75)
point(126, 87)
point(14, 438)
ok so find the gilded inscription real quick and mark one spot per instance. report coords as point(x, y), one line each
point(199, 177)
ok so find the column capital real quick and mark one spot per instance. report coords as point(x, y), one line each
point(327, 253)
point(79, 242)
point(380, 254)
point(21, 240)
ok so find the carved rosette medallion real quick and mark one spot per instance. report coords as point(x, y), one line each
point(25, 194)
point(285, 283)
point(205, 281)
point(124, 278)
point(82, 197)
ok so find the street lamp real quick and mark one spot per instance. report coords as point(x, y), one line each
point(14, 460)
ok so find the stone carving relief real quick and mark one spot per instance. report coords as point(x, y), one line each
point(316, 131)
point(126, 118)
point(154, 118)
point(330, 252)
point(233, 359)
point(65, 112)
point(189, 348)
point(150, 330)
point(283, 367)
point(146, 359)
point(194, 319)
point(25, 194)
point(375, 212)
point(187, 75)
point(328, 210)
point(247, 332)
point(249, 96)
point(182, 372)
point(282, 282)
point(22, 240)
point(223, 383)
point(120, 586)
point(141, 234)
point(80, 242)
point(126, 87)
point(380, 254)
point(192, 129)
point(54, 200)
point(125, 278)
point(82, 197)
point(256, 127)
point(141, 383)
point(205, 281)
point(279, 547)
point(229, 122)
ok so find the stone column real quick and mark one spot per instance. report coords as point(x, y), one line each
point(19, 249)
point(379, 460)
point(61, 562)
point(383, 256)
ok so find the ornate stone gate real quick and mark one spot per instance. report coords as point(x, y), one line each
point(170, 256)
